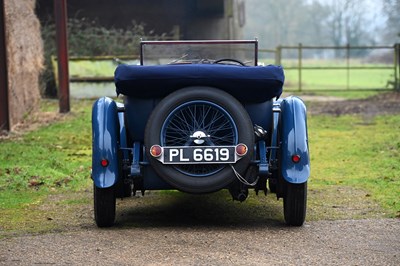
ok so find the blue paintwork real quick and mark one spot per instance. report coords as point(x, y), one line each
point(294, 140)
point(122, 133)
point(276, 113)
point(260, 113)
point(135, 167)
point(137, 112)
point(105, 134)
point(109, 134)
point(263, 165)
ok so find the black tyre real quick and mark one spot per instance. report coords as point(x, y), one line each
point(272, 184)
point(104, 206)
point(214, 113)
point(295, 203)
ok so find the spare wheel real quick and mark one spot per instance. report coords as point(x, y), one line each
point(196, 117)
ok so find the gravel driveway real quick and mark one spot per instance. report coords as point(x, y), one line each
point(346, 242)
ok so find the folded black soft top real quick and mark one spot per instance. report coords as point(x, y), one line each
point(246, 83)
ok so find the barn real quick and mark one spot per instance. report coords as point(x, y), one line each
point(21, 46)
point(187, 19)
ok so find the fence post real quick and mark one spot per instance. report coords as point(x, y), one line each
point(300, 52)
point(278, 55)
point(348, 66)
point(397, 66)
point(60, 13)
point(4, 107)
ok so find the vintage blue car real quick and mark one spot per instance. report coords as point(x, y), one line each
point(198, 117)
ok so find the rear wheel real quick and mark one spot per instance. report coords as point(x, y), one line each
point(295, 203)
point(104, 206)
point(272, 185)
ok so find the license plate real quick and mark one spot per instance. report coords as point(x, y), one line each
point(199, 155)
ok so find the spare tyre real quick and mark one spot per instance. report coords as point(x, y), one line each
point(217, 118)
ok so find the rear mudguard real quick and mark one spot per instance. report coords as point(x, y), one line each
point(294, 140)
point(105, 140)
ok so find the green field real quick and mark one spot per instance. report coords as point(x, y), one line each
point(338, 79)
point(355, 169)
point(316, 80)
point(93, 68)
point(84, 68)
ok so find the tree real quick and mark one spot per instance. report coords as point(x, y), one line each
point(348, 24)
point(316, 22)
point(391, 9)
point(286, 22)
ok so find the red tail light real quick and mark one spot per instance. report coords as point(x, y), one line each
point(296, 158)
point(104, 162)
point(156, 151)
point(241, 149)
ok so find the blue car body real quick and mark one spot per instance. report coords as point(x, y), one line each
point(276, 149)
point(109, 135)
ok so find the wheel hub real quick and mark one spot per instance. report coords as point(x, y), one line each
point(199, 137)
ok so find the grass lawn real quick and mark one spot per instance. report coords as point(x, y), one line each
point(348, 151)
point(314, 81)
point(55, 156)
point(318, 80)
point(94, 68)
point(336, 79)
point(355, 168)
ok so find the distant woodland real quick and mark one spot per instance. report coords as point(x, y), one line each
point(323, 22)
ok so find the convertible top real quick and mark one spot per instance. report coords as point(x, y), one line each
point(246, 83)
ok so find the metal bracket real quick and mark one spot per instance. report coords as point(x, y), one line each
point(263, 165)
point(273, 157)
point(135, 167)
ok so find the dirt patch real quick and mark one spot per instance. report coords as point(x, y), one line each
point(32, 122)
point(381, 104)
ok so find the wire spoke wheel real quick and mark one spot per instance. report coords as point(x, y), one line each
point(216, 125)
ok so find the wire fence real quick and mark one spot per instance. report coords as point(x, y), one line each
point(335, 68)
point(307, 68)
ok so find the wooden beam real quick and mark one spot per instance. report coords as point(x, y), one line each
point(4, 106)
point(60, 12)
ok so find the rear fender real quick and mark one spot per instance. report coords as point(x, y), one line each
point(105, 139)
point(294, 140)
